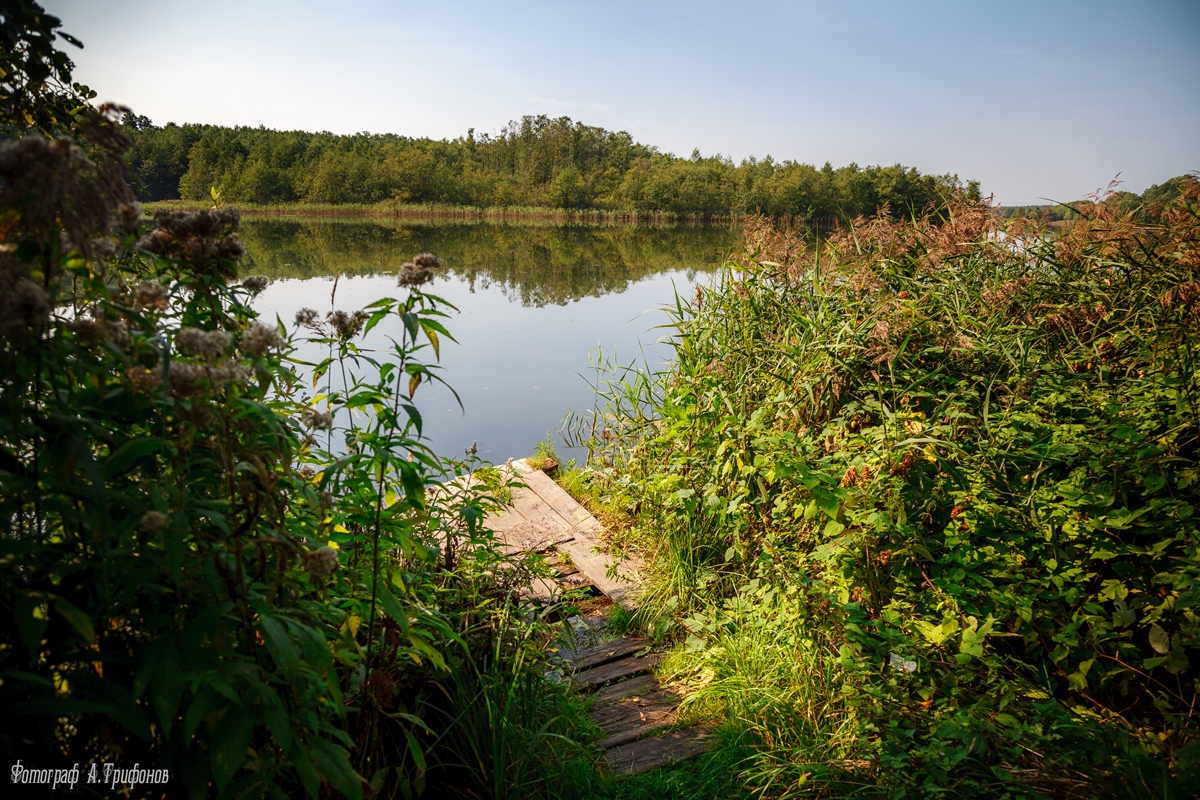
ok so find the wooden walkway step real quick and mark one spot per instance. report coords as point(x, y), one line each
point(544, 518)
point(630, 706)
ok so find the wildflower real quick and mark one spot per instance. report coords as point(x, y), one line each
point(318, 419)
point(151, 294)
point(209, 345)
point(327, 499)
point(205, 239)
point(256, 283)
point(27, 306)
point(320, 563)
point(185, 378)
point(188, 380)
point(419, 270)
point(129, 215)
point(259, 339)
point(230, 372)
point(144, 380)
point(347, 325)
point(306, 317)
point(101, 330)
point(307, 472)
point(153, 522)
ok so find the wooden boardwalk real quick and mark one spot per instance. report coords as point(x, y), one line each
point(544, 519)
point(634, 711)
point(631, 707)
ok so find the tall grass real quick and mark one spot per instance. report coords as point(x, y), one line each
point(963, 450)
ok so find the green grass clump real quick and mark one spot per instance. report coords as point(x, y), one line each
point(922, 505)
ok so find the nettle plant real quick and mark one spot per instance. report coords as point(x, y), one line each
point(201, 570)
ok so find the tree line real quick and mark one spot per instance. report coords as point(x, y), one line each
point(1147, 206)
point(534, 162)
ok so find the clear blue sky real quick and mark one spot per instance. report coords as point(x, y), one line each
point(1047, 99)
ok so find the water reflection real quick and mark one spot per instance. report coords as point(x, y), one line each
point(534, 303)
point(535, 265)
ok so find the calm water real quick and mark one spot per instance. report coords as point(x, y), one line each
point(535, 302)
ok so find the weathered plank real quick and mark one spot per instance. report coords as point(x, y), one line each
point(616, 692)
point(628, 720)
point(596, 568)
point(648, 753)
point(539, 512)
point(598, 676)
point(603, 653)
point(567, 507)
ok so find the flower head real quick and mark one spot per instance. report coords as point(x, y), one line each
point(259, 339)
point(320, 563)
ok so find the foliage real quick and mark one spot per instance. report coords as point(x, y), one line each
point(36, 90)
point(210, 565)
point(964, 452)
point(536, 161)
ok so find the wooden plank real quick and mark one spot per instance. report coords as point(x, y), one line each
point(604, 652)
point(598, 676)
point(566, 506)
point(537, 511)
point(595, 567)
point(629, 720)
point(609, 715)
point(616, 692)
point(646, 754)
point(634, 726)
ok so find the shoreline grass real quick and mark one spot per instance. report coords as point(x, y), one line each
point(448, 213)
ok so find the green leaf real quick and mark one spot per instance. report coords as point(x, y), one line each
point(334, 766)
point(166, 686)
point(280, 644)
point(1159, 639)
point(827, 503)
point(229, 743)
point(130, 453)
point(78, 619)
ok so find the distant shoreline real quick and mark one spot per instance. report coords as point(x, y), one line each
point(453, 213)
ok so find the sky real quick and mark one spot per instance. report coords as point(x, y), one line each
point(1039, 101)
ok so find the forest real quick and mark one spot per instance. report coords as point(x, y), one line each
point(534, 162)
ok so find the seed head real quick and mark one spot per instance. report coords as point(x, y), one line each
point(320, 563)
point(306, 317)
point(144, 380)
point(209, 345)
point(318, 419)
point(151, 294)
point(259, 339)
point(348, 325)
point(256, 283)
point(154, 522)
